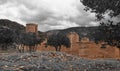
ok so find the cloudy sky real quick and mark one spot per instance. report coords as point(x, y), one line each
point(49, 14)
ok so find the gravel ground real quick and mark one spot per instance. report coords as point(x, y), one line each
point(54, 61)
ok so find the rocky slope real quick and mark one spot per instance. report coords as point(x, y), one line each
point(54, 61)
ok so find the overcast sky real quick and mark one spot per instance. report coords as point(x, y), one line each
point(49, 14)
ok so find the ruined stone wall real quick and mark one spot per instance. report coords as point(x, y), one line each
point(74, 37)
point(117, 52)
point(85, 48)
point(92, 50)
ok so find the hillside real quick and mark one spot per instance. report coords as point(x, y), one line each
point(5, 23)
point(9, 30)
point(82, 31)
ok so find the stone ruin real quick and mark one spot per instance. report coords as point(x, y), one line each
point(74, 37)
point(83, 47)
point(31, 27)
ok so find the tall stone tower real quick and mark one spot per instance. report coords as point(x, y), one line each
point(31, 27)
point(74, 37)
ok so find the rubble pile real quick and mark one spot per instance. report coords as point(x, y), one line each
point(54, 61)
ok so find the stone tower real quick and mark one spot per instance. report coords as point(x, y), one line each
point(74, 37)
point(31, 27)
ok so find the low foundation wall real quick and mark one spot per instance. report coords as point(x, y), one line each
point(87, 50)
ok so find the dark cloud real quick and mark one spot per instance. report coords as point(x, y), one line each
point(3, 2)
point(48, 14)
point(40, 17)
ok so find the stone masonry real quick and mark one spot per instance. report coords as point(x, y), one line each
point(31, 27)
point(83, 48)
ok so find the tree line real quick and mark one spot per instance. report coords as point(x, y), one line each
point(17, 38)
point(31, 40)
point(108, 31)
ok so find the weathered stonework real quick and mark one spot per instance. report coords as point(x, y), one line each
point(83, 48)
point(32, 28)
point(117, 52)
point(74, 37)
